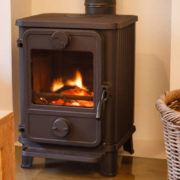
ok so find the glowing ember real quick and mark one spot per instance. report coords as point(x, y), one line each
point(58, 102)
point(72, 103)
point(80, 103)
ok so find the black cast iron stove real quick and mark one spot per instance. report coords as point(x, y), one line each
point(77, 85)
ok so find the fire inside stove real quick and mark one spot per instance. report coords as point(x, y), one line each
point(72, 88)
point(61, 82)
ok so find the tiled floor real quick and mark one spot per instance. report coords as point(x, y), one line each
point(129, 169)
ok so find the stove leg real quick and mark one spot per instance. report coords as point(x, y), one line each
point(26, 162)
point(108, 165)
point(128, 146)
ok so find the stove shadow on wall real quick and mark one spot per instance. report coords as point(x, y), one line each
point(77, 85)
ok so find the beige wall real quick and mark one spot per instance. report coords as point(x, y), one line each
point(175, 46)
point(19, 8)
point(152, 59)
point(5, 57)
point(57, 6)
point(152, 69)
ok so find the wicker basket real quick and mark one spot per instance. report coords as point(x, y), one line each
point(167, 105)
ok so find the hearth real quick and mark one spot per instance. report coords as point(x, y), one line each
point(77, 85)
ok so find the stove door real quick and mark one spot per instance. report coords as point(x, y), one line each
point(62, 83)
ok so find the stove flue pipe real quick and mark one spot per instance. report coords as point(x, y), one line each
point(95, 7)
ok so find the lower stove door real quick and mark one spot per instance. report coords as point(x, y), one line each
point(64, 130)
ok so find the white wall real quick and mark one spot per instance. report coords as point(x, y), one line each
point(5, 56)
point(152, 62)
point(175, 46)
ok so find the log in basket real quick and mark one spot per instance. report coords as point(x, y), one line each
point(168, 106)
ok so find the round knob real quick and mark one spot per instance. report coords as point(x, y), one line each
point(61, 127)
point(60, 40)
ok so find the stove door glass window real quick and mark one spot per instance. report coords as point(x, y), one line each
point(62, 78)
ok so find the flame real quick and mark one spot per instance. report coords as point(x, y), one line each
point(77, 81)
point(57, 84)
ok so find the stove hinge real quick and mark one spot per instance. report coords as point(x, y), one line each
point(19, 43)
point(21, 128)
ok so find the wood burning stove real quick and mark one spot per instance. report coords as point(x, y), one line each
point(77, 81)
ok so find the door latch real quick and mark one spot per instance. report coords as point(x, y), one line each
point(101, 104)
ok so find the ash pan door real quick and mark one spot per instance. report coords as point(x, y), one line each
point(63, 82)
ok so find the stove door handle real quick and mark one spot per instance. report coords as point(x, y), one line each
point(101, 104)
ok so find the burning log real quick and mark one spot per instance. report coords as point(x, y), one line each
point(55, 96)
point(64, 88)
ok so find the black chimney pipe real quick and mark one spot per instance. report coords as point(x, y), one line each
point(94, 7)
